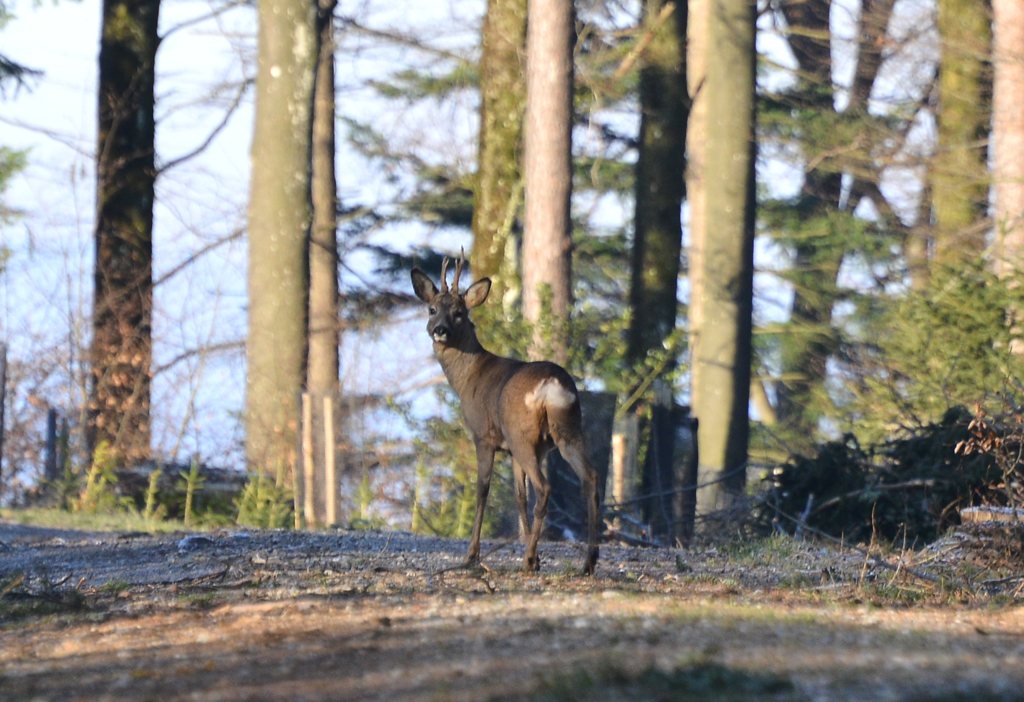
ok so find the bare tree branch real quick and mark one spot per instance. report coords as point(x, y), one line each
point(243, 86)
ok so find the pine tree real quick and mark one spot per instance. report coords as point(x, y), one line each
point(837, 135)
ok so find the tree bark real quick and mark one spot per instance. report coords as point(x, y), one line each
point(722, 344)
point(1008, 133)
point(696, 187)
point(121, 351)
point(547, 242)
point(660, 186)
point(959, 177)
point(323, 374)
point(279, 230)
point(323, 252)
point(657, 238)
point(3, 410)
point(498, 191)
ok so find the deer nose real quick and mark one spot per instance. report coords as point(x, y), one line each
point(441, 332)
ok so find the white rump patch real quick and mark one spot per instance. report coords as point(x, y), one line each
point(550, 393)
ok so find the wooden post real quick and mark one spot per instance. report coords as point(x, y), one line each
point(331, 497)
point(50, 455)
point(618, 473)
point(307, 459)
point(296, 492)
point(625, 463)
point(3, 404)
point(687, 497)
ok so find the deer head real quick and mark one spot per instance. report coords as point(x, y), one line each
point(449, 323)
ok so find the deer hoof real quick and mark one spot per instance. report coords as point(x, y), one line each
point(531, 564)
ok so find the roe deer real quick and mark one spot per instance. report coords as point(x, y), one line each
point(524, 408)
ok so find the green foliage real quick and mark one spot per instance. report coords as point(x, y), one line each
point(99, 494)
point(951, 344)
point(153, 511)
point(115, 586)
point(12, 161)
point(910, 487)
point(365, 518)
point(190, 482)
point(54, 518)
point(412, 84)
point(266, 503)
point(702, 680)
point(66, 487)
point(445, 492)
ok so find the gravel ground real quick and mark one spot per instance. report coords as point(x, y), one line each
point(349, 615)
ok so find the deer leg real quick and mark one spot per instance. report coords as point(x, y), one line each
point(531, 465)
point(519, 478)
point(575, 454)
point(484, 466)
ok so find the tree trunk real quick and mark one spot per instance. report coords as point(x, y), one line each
point(959, 175)
point(123, 270)
point(696, 187)
point(322, 379)
point(722, 344)
point(547, 242)
point(1008, 132)
point(657, 239)
point(497, 194)
point(279, 230)
point(3, 408)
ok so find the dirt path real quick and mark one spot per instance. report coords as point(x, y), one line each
point(376, 616)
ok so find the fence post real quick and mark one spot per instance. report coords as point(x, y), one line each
point(296, 491)
point(50, 456)
point(331, 478)
point(3, 405)
point(307, 459)
point(687, 502)
point(625, 463)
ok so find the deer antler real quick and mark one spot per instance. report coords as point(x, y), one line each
point(458, 271)
point(444, 275)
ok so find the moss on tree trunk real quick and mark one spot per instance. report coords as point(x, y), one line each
point(121, 350)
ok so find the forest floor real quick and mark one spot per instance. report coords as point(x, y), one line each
point(347, 615)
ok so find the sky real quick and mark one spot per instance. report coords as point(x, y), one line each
point(46, 288)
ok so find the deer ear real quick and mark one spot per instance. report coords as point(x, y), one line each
point(423, 286)
point(477, 293)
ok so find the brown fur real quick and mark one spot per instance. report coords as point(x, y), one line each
point(507, 406)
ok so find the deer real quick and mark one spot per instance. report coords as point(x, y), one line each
point(525, 408)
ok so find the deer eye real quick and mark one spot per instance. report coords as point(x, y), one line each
point(458, 316)
point(433, 310)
